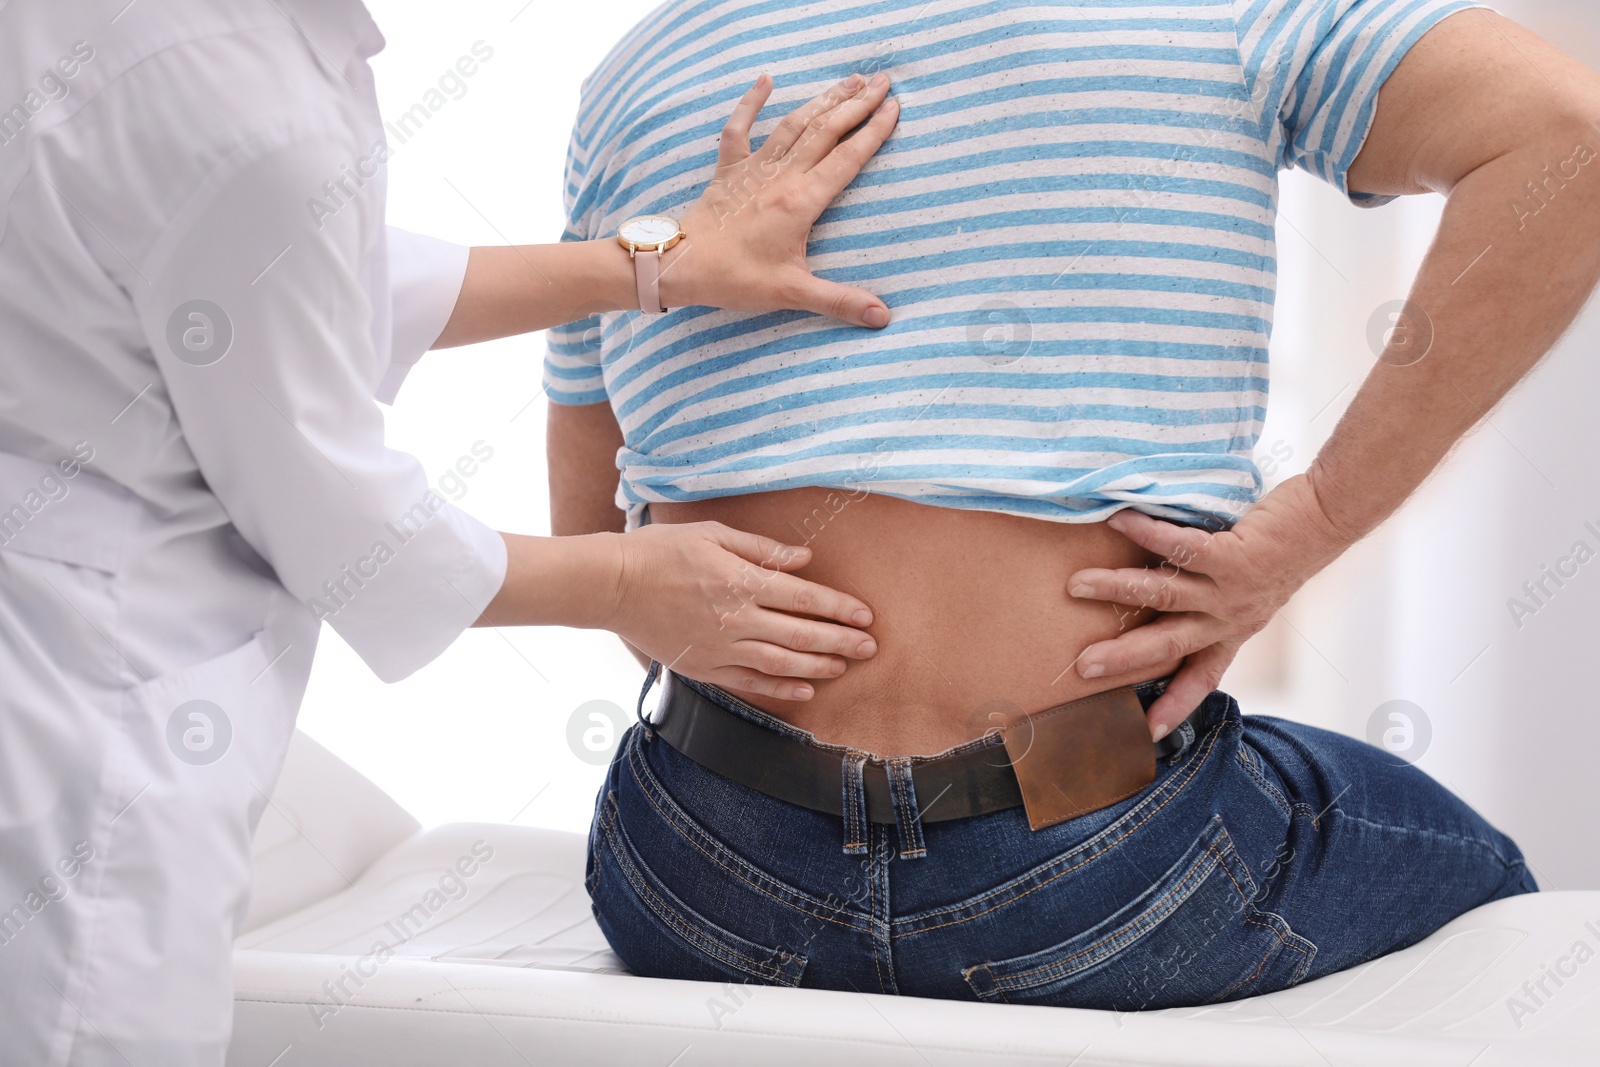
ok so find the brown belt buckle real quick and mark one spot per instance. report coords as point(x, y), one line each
point(1081, 757)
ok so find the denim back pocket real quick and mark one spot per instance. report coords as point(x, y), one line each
point(657, 934)
point(1195, 937)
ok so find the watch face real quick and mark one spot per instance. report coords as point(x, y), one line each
point(649, 230)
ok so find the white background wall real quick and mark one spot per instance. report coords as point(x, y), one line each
point(1418, 613)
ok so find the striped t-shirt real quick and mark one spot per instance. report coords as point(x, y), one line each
point(1072, 225)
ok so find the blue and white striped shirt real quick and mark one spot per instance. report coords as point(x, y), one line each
point(1073, 226)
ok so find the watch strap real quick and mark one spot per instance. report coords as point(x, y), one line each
point(647, 274)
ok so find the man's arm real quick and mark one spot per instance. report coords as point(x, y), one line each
point(1504, 125)
point(1487, 113)
point(581, 443)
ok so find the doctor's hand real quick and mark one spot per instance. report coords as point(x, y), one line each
point(745, 248)
point(718, 605)
point(1214, 591)
point(746, 244)
point(707, 601)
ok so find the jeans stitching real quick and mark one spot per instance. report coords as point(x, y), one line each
point(1475, 842)
point(911, 843)
point(872, 909)
point(1247, 760)
point(718, 853)
point(690, 931)
point(1250, 910)
point(855, 820)
point(713, 850)
point(1250, 907)
point(1011, 895)
point(1247, 891)
point(689, 829)
point(1137, 927)
point(591, 878)
point(1219, 851)
point(1283, 943)
point(1261, 965)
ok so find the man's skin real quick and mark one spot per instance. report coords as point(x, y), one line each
point(981, 615)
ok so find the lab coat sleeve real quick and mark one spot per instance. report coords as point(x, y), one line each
point(425, 276)
point(259, 313)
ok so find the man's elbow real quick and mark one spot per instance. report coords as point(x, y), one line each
point(1555, 162)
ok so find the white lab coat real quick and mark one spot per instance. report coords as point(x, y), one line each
point(192, 477)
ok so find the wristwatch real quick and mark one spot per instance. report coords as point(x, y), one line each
point(653, 235)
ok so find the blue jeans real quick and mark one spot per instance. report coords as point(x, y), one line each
point(1265, 853)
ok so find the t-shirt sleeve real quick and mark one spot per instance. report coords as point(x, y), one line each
point(572, 371)
point(1317, 66)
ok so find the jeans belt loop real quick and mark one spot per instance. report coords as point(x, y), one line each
point(650, 677)
point(907, 815)
point(855, 805)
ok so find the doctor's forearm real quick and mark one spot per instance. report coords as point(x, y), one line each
point(511, 290)
point(557, 581)
point(710, 602)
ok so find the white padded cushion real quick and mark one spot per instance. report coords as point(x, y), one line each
point(513, 971)
point(326, 824)
point(525, 906)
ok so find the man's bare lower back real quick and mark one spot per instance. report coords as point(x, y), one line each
point(973, 618)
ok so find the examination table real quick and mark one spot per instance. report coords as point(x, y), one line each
point(372, 941)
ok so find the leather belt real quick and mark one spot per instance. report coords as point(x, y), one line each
point(973, 781)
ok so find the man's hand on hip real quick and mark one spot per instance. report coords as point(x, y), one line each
point(1214, 591)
